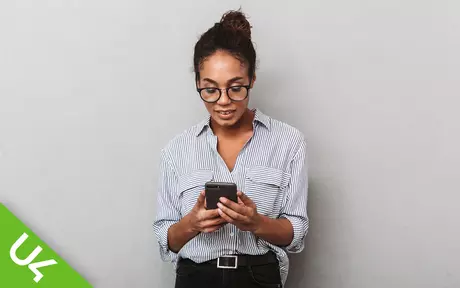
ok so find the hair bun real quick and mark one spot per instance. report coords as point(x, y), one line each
point(236, 21)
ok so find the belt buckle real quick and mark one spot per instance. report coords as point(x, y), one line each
point(228, 267)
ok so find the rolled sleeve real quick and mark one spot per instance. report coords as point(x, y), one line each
point(168, 208)
point(294, 206)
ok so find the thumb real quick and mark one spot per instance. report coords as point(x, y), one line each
point(245, 199)
point(201, 199)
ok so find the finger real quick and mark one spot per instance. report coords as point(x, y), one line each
point(213, 222)
point(246, 200)
point(226, 217)
point(231, 213)
point(233, 206)
point(201, 199)
point(210, 214)
point(212, 229)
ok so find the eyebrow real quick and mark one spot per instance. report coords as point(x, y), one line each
point(234, 79)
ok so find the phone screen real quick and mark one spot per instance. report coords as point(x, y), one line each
point(215, 190)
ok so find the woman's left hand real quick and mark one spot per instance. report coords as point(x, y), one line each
point(242, 214)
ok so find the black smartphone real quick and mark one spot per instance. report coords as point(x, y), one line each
point(215, 190)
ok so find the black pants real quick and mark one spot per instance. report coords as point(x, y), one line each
point(192, 275)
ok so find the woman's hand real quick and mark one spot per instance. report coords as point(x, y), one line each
point(197, 221)
point(202, 220)
point(242, 214)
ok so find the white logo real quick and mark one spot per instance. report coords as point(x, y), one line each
point(32, 266)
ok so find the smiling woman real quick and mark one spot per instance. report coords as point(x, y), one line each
point(224, 63)
point(243, 243)
point(224, 89)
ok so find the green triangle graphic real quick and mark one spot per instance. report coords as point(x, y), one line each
point(26, 261)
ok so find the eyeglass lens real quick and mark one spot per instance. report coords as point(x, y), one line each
point(212, 94)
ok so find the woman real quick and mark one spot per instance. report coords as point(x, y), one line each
point(242, 244)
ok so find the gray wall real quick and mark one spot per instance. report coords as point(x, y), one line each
point(91, 90)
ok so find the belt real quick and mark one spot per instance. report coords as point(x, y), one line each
point(235, 261)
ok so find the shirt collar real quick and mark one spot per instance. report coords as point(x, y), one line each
point(258, 117)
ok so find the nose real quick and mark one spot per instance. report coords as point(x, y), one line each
point(224, 99)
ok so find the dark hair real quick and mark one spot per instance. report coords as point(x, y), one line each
point(231, 34)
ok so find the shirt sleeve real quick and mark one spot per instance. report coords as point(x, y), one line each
point(294, 206)
point(168, 208)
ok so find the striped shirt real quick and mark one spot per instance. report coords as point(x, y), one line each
point(270, 169)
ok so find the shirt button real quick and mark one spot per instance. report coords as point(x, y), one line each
point(232, 234)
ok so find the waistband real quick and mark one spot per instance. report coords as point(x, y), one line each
point(235, 261)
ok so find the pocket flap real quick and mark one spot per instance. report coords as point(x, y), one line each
point(269, 175)
point(194, 179)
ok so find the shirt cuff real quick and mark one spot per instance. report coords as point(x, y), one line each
point(161, 230)
point(300, 227)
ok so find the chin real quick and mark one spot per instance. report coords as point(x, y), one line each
point(225, 122)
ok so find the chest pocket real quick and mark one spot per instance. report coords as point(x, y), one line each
point(264, 185)
point(190, 186)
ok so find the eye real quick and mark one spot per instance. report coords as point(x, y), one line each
point(210, 90)
point(236, 89)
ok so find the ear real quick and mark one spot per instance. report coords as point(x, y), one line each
point(254, 77)
point(197, 80)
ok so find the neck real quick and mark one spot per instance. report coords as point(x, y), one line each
point(243, 125)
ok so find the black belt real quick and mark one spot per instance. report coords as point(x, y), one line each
point(235, 261)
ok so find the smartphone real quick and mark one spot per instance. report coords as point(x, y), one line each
point(215, 190)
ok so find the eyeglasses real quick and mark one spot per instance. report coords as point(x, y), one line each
point(235, 93)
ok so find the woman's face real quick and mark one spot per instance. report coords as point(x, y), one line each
point(222, 70)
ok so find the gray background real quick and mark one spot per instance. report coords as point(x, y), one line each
point(91, 90)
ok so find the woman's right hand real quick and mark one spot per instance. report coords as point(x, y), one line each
point(199, 220)
point(203, 220)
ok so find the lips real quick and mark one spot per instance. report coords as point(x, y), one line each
point(225, 114)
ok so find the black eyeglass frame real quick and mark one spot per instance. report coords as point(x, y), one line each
point(248, 87)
